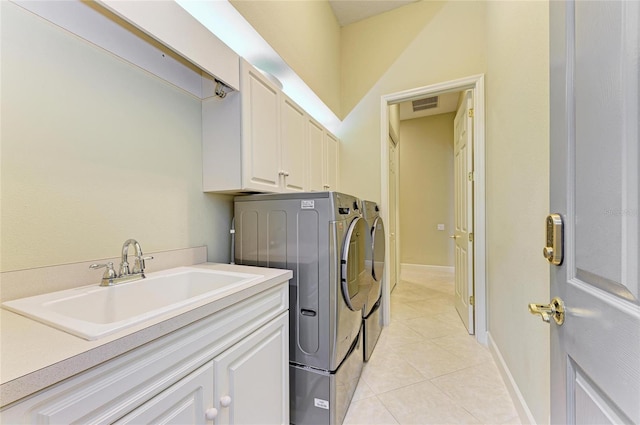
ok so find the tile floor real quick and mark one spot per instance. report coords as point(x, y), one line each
point(426, 369)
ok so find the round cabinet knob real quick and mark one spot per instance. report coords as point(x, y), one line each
point(225, 401)
point(210, 414)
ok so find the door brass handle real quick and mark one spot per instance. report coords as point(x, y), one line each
point(454, 236)
point(547, 311)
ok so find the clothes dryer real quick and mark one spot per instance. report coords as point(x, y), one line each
point(322, 238)
point(371, 313)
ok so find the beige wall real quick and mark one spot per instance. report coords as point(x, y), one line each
point(370, 46)
point(518, 191)
point(426, 190)
point(95, 151)
point(306, 35)
point(451, 45)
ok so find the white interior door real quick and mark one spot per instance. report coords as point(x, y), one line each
point(463, 211)
point(393, 200)
point(595, 353)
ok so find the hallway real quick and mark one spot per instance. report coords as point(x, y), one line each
point(426, 369)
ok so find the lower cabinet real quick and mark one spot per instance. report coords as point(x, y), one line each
point(252, 380)
point(228, 368)
point(185, 402)
point(247, 384)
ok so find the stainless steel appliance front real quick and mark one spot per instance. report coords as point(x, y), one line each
point(320, 236)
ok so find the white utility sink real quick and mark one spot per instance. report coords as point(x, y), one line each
point(92, 312)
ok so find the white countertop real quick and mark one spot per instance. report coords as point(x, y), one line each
point(34, 356)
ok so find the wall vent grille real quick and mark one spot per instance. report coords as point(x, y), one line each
point(426, 103)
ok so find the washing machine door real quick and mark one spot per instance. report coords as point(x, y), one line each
point(378, 243)
point(355, 276)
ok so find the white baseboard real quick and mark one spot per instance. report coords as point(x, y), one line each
point(417, 268)
point(526, 417)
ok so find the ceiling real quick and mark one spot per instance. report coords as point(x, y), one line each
point(350, 11)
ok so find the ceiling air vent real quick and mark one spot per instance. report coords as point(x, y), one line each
point(426, 103)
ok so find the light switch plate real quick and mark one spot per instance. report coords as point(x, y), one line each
point(440, 226)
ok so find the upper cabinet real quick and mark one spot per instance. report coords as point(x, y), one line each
point(315, 158)
point(330, 166)
point(260, 131)
point(259, 140)
point(322, 160)
point(293, 147)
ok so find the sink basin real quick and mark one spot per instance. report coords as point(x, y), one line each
point(92, 312)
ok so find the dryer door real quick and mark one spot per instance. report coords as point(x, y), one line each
point(377, 235)
point(355, 276)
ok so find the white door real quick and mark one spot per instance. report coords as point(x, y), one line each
point(393, 200)
point(293, 154)
point(463, 213)
point(595, 353)
point(315, 145)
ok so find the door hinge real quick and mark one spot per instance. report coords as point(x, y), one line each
point(471, 300)
point(470, 237)
point(471, 177)
point(471, 113)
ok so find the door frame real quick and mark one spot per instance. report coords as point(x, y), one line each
point(475, 83)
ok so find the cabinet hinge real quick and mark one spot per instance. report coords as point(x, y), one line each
point(471, 113)
point(471, 300)
point(470, 237)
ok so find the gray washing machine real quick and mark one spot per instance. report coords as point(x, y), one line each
point(323, 238)
point(371, 313)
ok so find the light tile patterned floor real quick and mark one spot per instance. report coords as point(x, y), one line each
point(426, 369)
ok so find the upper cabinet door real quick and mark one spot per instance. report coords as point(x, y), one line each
point(260, 131)
point(331, 163)
point(315, 143)
point(293, 143)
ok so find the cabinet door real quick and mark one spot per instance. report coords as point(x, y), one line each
point(331, 163)
point(315, 144)
point(292, 140)
point(188, 401)
point(260, 132)
point(252, 377)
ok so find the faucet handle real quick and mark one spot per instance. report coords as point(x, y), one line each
point(109, 273)
point(139, 265)
point(108, 265)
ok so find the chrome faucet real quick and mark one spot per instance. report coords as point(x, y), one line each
point(126, 273)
